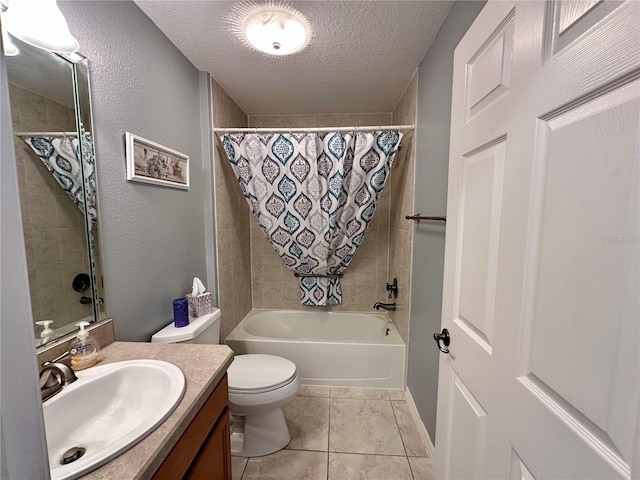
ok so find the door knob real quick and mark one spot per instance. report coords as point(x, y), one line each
point(444, 338)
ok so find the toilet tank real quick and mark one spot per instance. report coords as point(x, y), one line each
point(204, 329)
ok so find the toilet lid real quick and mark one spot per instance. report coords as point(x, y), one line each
point(255, 373)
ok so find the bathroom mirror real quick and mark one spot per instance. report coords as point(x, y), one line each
point(53, 141)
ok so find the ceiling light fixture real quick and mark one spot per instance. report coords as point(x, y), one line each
point(10, 49)
point(276, 30)
point(40, 23)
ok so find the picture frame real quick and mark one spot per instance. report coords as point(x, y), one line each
point(150, 162)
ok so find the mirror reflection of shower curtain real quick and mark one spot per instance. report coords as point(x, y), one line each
point(61, 155)
point(313, 195)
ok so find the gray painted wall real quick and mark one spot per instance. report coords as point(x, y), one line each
point(22, 442)
point(153, 238)
point(432, 167)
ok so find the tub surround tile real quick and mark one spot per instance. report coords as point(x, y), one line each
point(377, 119)
point(233, 222)
point(364, 426)
point(238, 465)
point(272, 295)
point(290, 295)
point(364, 280)
point(401, 195)
point(349, 466)
point(339, 120)
point(413, 444)
point(361, 393)
point(421, 467)
point(314, 391)
point(288, 465)
point(309, 121)
point(308, 422)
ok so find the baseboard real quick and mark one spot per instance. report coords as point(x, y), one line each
point(420, 424)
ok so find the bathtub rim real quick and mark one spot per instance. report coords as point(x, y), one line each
point(240, 334)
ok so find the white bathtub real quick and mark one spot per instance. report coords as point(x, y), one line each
point(328, 348)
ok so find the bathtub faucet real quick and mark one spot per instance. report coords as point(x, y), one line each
point(385, 306)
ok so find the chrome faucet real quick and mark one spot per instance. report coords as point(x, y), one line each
point(385, 306)
point(54, 376)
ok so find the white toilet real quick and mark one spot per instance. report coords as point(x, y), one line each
point(259, 386)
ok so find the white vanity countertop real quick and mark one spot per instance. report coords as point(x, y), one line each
point(203, 367)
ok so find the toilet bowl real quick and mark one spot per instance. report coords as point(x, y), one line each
point(259, 386)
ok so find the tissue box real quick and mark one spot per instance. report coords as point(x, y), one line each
point(200, 304)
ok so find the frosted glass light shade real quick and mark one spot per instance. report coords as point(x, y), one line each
point(276, 31)
point(10, 49)
point(40, 23)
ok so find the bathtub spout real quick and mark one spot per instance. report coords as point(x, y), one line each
point(385, 306)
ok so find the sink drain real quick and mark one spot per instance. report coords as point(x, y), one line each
point(72, 455)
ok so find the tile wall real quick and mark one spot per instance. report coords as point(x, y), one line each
point(232, 222)
point(53, 225)
point(250, 272)
point(273, 284)
point(401, 204)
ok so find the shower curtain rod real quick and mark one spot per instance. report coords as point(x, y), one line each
point(46, 134)
point(314, 129)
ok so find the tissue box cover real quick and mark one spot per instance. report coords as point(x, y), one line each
point(201, 304)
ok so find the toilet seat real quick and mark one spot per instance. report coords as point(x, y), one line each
point(256, 373)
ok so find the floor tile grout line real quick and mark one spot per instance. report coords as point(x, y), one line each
point(404, 445)
point(304, 450)
point(408, 432)
point(329, 432)
point(373, 454)
point(411, 469)
point(332, 401)
point(244, 469)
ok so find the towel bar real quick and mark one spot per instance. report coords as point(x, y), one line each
point(331, 275)
point(417, 217)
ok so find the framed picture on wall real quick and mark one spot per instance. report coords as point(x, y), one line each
point(150, 162)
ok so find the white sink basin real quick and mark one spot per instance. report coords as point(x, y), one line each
point(108, 410)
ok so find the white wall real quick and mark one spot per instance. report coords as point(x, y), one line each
point(432, 167)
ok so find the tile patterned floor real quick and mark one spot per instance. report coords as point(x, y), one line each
point(343, 433)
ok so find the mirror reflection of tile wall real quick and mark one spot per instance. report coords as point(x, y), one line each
point(53, 226)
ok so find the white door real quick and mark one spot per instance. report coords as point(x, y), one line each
point(542, 265)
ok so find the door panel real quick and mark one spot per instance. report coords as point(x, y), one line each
point(466, 398)
point(468, 433)
point(481, 197)
point(573, 226)
point(489, 71)
point(569, 20)
point(542, 262)
point(584, 281)
point(519, 470)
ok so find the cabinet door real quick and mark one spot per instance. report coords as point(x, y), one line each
point(204, 450)
point(214, 459)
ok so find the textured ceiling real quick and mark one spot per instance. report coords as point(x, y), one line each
point(361, 57)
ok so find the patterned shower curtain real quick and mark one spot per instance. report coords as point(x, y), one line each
point(313, 195)
point(61, 156)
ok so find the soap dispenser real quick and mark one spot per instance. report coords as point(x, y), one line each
point(47, 333)
point(84, 349)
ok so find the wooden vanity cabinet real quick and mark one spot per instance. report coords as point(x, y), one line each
point(204, 450)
